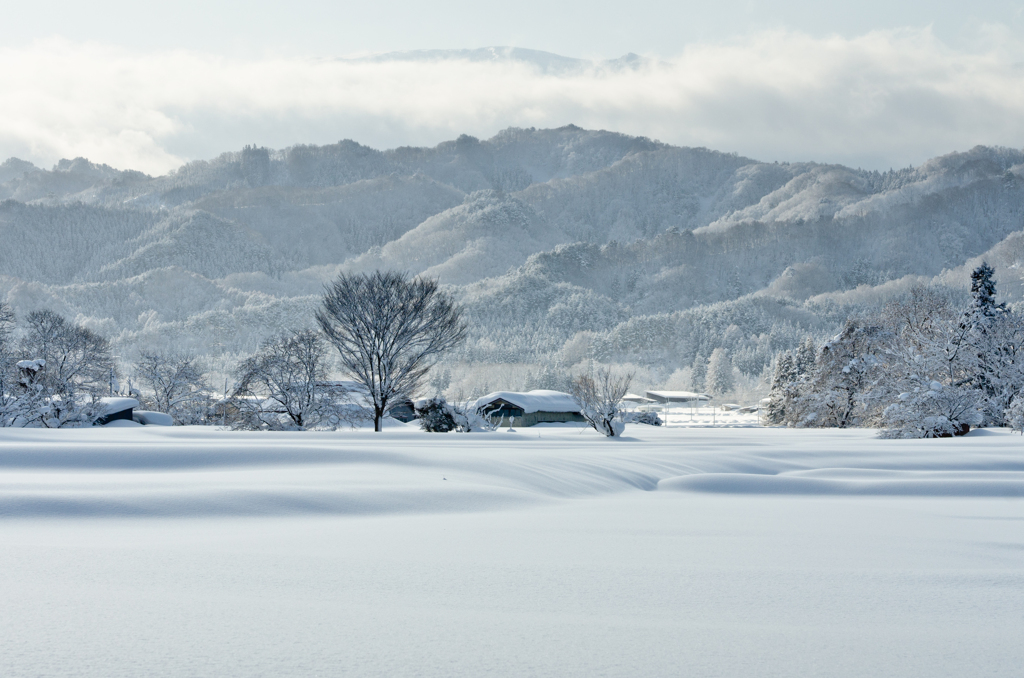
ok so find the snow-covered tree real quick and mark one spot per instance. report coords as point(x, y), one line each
point(284, 385)
point(59, 384)
point(33, 403)
point(991, 339)
point(784, 377)
point(983, 293)
point(598, 396)
point(834, 393)
point(389, 330)
point(176, 385)
point(77, 359)
point(8, 373)
point(925, 388)
point(698, 373)
point(805, 357)
point(719, 378)
point(1015, 415)
point(440, 380)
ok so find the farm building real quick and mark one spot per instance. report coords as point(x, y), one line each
point(677, 397)
point(530, 408)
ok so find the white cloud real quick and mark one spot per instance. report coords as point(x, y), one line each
point(885, 98)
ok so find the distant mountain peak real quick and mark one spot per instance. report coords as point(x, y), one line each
point(547, 62)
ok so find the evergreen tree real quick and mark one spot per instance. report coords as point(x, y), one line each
point(983, 291)
point(719, 379)
point(784, 374)
point(805, 357)
point(698, 373)
point(994, 337)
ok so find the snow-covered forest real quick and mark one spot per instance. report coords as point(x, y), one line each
point(564, 245)
point(925, 366)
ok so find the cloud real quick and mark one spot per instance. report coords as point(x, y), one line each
point(879, 100)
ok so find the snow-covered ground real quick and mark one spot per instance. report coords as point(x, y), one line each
point(549, 551)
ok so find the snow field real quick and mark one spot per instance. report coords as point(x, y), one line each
point(550, 551)
point(201, 471)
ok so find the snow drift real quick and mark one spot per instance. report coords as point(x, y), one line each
point(186, 471)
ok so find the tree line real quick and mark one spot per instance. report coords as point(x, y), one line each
point(386, 330)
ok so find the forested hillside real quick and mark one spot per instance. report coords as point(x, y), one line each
point(565, 245)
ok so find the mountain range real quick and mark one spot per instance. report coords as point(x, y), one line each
point(563, 244)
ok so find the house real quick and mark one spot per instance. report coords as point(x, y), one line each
point(530, 408)
point(116, 409)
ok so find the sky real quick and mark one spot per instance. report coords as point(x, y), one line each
point(150, 86)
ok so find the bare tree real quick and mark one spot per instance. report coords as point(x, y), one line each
point(599, 396)
point(389, 331)
point(178, 384)
point(285, 384)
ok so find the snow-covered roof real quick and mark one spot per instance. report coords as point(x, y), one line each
point(676, 396)
point(532, 401)
point(634, 398)
point(112, 405)
point(147, 418)
point(34, 365)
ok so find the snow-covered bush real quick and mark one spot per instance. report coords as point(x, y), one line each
point(932, 410)
point(648, 418)
point(436, 415)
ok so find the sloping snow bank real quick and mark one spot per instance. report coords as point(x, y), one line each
point(856, 481)
point(197, 471)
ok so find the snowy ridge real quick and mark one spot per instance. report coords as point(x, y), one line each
point(185, 471)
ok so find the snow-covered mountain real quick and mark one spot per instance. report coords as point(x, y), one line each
point(545, 62)
point(564, 244)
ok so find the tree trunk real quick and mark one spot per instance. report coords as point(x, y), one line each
point(378, 416)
